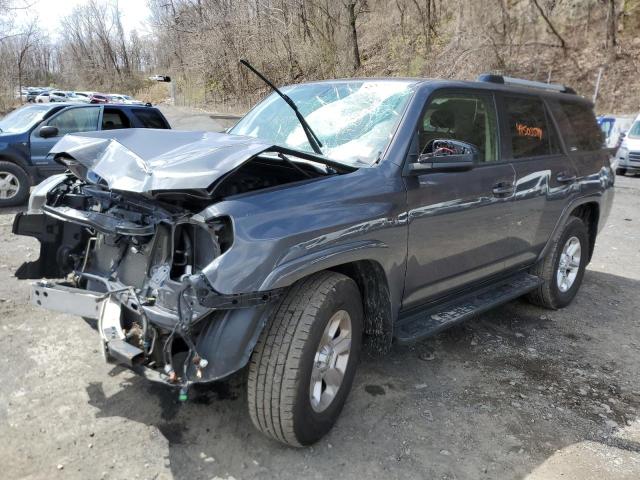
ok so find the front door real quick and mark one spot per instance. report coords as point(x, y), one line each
point(459, 222)
point(69, 120)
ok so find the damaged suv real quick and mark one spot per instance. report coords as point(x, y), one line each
point(334, 214)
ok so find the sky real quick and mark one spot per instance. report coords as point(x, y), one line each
point(49, 13)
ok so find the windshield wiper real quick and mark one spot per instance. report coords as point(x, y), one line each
point(314, 141)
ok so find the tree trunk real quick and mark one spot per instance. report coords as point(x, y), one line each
point(612, 24)
point(353, 34)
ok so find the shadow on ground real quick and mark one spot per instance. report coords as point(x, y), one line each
point(493, 398)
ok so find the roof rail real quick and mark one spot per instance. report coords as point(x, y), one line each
point(556, 87)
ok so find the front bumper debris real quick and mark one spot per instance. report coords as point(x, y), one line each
point(66, 299)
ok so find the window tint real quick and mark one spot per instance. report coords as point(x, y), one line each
point(531, 131)
point(149, 118)
point(578, 126)
point(114, 119)
point(466, 117)
point(76, 120)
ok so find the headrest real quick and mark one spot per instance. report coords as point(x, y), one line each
point(443, 118)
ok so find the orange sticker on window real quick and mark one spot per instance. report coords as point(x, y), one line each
point(526, 131)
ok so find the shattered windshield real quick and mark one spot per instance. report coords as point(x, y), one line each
point(23, 118)
point(354, 120)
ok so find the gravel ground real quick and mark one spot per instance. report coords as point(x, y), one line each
point(520, 392)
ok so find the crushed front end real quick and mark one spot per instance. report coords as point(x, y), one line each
point(134, 265)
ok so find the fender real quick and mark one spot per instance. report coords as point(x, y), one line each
point(228, 340)
point(289, 272)
point(8, 156)
point(566, 212)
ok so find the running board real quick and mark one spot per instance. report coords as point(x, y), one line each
point(433, 319)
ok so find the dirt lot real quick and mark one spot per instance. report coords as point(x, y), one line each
point(520, 391)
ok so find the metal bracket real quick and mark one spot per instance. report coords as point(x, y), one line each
point(211, 299)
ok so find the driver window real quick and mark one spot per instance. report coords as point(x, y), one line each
point(76, 120)
point(466, 117)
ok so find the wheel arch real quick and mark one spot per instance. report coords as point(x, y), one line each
point(586, 208)
point(371, 279)
point(589, 213)
point(20, 162)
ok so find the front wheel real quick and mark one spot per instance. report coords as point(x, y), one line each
point(621, 171)
point(563, 267)
point(303, 365)
point(14, 184)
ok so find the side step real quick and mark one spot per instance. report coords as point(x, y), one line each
point(433, 319)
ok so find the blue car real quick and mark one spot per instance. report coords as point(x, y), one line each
point(28, 134)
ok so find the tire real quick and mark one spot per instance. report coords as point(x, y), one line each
point(14, 184)
point(553, 293)
point(279, 388)
point(621, 171)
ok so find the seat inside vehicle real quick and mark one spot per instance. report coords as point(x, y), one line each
point(459, 118)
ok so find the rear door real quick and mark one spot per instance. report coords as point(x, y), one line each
point(545, 175)
point(69, 120)
point(458, 221)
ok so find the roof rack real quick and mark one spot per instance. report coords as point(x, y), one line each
point(556, 87)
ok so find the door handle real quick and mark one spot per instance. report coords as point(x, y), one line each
point(502, 189)
point(565, 177)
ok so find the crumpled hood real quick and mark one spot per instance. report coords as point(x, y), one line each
point(145, 160)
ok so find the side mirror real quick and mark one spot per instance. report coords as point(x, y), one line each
point(48, 131)
point(445, 156)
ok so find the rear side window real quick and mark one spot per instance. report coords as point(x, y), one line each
point(578, 126)
point(149, 118)
point(530, 131)
point(114, 119)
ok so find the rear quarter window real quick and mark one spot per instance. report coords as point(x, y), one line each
point(531, 132)
point(578, 126)
point(149, 118)
point(113, 119)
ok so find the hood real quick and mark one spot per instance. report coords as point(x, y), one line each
point(631, 143)
point(11, 137)
point(144, 160)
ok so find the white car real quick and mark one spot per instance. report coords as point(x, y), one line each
point(43, 98)
point(126, 99)
point(160, 78)
point(59, 96)
point(80, 97)
point(628, 155)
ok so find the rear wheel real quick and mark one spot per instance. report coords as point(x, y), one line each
point(303, 365)
point(14, 184)
point(563, 267)
point(621, 171)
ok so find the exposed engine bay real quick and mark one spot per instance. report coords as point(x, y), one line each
point(133, 262)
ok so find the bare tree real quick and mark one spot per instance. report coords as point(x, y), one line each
point(353, 32)
point(544, 16)
point(25, 42)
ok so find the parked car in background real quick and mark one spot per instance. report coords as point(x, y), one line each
point(32, 94)
point(84, 97)
point(126, 99)
point(394, 209)
point(98, 98)
point(614, 128)
point(43, 97)
point(60, 96)
point(28, 133)
point(160, 78)
point(628, 155)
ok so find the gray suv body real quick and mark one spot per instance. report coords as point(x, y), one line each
point(200, 254)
